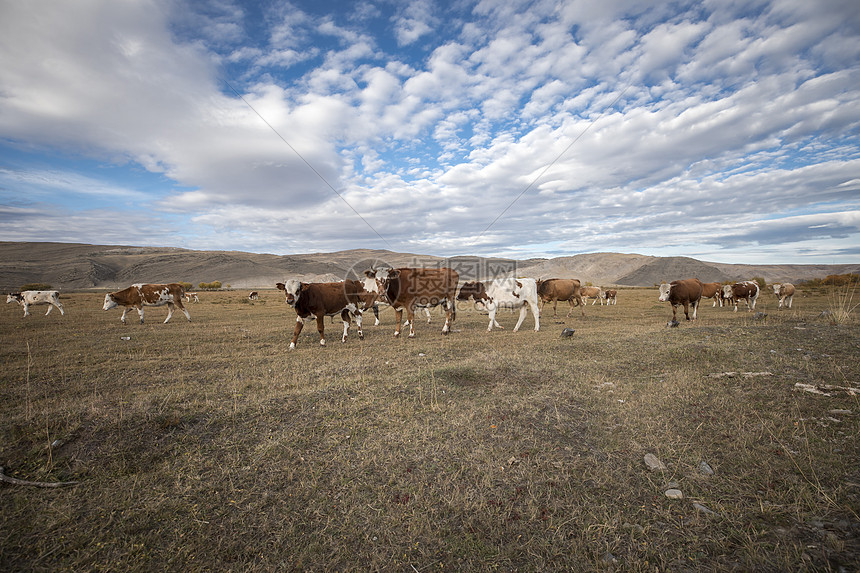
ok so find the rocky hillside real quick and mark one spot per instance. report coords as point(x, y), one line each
point(81, 266)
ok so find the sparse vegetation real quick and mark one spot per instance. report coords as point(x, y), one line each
point(187, 286)
point(216, 285)
point(842, 305)
point(36, 286)
point(208, 446)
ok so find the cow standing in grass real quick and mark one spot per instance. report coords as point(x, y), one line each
point(140, 295)
point(611, 296)
point(411, 288)
point(713, 291)
point(504, 293)
point(746, 290)
point(687, 292)
point(315, 301)
point(554, 290)
point(29, 297)
point(592, 292)
point(785, 292)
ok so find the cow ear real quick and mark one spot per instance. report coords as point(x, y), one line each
point(280, 286)
point(393, 273)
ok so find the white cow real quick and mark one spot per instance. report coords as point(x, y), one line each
point(785, 292)
point(504, 293)
point(28, 297)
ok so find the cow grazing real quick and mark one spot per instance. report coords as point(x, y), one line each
point(554, 290)
point(746, 290)
point(713, 291)
point(28, 297)
point(410, 288)
point(315, 301)
point(785, 292)
point(141, 295)
point(611, 296)
point(687, 292)
point(254, 295)
point(504, 293)
point(592, 292)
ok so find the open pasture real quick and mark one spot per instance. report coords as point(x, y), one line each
point(209, 446)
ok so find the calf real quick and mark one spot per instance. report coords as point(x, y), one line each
point(410, 288)
point(785, 292)
point(509, 293)
point(315, 301)
point(191, 297)
point(28, 297)
point(141, 295)
point(712, 291)
point(747, 290)
point(555, 290)
point(371, 287)
point(685, 292)
point(254, 295)
point(611, 296)
point(592, 292)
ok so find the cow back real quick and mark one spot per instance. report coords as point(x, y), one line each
point(422, 286)
point(558, 289)
point(685, 290)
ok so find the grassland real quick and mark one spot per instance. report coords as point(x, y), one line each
point(209, 446)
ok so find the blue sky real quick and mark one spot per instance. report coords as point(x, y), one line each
point(721, 130)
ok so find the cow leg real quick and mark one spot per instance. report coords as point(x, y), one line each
point(50, 308)
point(686, 309)
point(450, 315)
point(298, 330)
point(523, 312)
point(376, 314)
point(674, 312)
point(181, 307)
point(357, 315)
point(124, 312)
point(344, 316)
point(695, 305)
point(321, 328)
point(140, 312)
point(491, 308)
point(170, 308)
point(427, 312)
point(398, 316)
point(60, 306)
point(788, 300)
point(410, 318)
point(26, 310)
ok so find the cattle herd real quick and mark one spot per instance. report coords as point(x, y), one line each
point(413, 288)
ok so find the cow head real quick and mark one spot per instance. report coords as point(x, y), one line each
point(474, 290)
point(776, 288)
point(109, 302)
point(665, 289)
point(14, 297)
point(292, 291)
point(383, 278)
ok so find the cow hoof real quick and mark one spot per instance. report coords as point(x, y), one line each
point(361, 337)
point(322, 342)
point(292, 345)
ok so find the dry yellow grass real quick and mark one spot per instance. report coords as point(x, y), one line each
point(209, 446)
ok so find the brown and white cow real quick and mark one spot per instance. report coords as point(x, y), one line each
point(254, 295)
point(712, 291)
point(611, 296)
point(687, 292)
point(315, 301)
point(411, 288)
point(592, 292)
point(746, 290)
point(554, 290)
point(191, 297)
point(28, 297)
point(141, 295)
point(785, 292)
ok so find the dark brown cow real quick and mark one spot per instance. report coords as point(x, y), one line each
point(746, 290)
point(141, 295)
point(409, 288)
point(611, 296)
point(318, 300)
point(687, 292)
point(712, 291)
point(554, 290)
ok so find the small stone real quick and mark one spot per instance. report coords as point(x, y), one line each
point(653, 463)
point(609, 558)
point(706, 469)
point(703, 509)
point(673, 324)
point(674, 494)
point(839, 411)
point(567, 332)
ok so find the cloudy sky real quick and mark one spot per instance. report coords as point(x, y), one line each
point(725, 130)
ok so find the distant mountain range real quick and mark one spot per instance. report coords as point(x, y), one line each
point(80, 266)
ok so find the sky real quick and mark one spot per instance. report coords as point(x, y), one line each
point(724, 130)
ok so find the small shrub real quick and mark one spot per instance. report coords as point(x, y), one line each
point(36, 286)
point(215, 285)
point(842, 305)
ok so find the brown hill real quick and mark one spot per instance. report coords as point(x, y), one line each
point(82, 266)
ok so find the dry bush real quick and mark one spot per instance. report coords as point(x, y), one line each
point(208, 445)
